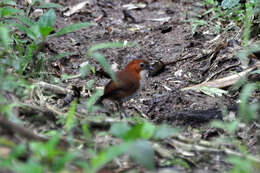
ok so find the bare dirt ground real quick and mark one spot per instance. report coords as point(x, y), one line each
point(187, 56)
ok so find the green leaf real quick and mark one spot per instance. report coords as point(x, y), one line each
point(4, 36)
point(229, 3)
point(164, 131)
point(6, 11)
point(105, 64)
point(50, 5)
point(25, 20)
point(48, 19)
point(60, 162)
point(31, 166)
point(86, 132)
point(134, 133)
point(36, 32)
point(108, 45)
point(143, 153)
point(8, 2)
point(246, 110)
point(144, 130)
point(70, 117)
point(28, 31)
point(240, 164)
point(45, 31)
point(92, 100)
point(148, 130)
point(119, 129)
point(108, 155)
point(90, 84)
point(72, 28)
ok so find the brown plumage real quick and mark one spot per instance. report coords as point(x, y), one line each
point(128, 83)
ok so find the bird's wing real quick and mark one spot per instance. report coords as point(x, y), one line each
point(125, 86)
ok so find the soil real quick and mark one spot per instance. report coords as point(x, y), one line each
point(166, 41)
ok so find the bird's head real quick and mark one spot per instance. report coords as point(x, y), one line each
point(138, 65)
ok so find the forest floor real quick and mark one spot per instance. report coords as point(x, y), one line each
point(162, 31)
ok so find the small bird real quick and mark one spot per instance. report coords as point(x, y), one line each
point(129, 82)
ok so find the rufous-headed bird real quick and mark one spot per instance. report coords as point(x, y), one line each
point(128, 84)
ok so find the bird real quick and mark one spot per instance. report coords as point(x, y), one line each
point(128, 84)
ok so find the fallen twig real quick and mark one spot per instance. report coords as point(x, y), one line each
point(26, 133)
point(223, 82)
point(206, 146)
point(56, 89)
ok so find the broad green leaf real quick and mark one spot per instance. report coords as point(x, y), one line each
point(134, 133)
point(36, 31)
point(229, 3)
point(4, 36)
point(164, 131)
point(240, 164)
point(45, 31)
point(34, 2)
point(25, 20)
point(143, 153)
point(6, 11)
point(72, 28)
point(119, 129)
point(143, 130)
point(8, 2)
point(105, 64)
point(108, 155)
point(48, 19)
point(148, 130)
point(30, 166)
point(27, 31)
point(50, 5)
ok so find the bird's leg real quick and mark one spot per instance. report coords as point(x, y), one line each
point(121, 109)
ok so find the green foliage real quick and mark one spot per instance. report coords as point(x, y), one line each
point(142, 152)
point(72, 28)
point(70, 117)
point(235, 13)
point(241, 165)
point(140, 149)
point(230, 127)
point(24, 54)
point(196, 23)
point(92, 100)
point(4, 36)
point(228, 4)
point(93, 51)
point(50, 5)
point(248, 111)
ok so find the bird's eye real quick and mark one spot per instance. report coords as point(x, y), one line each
point(142, 65)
